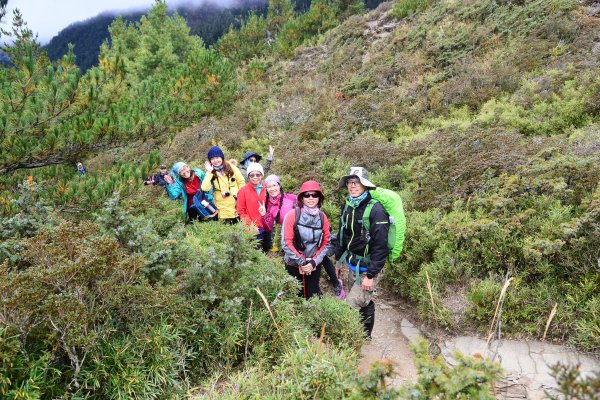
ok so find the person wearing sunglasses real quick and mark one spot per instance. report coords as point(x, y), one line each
point(251, 199)
point(252, 157)
point(224, 181)
point(305, 236)
point(363, 252)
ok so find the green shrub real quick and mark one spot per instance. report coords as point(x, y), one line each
point(472, 378)
point(574, 386)
point(149, 364)
point(343, 328)
point(404, 8)
point(24, 375)
point(305, 370)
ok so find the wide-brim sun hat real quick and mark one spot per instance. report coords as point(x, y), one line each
point(361, 174)
point(310, 186)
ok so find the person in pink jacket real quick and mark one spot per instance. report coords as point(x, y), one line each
point(250, 199)
point(277, 203)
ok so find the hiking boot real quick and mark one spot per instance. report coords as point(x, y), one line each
point(339, 290)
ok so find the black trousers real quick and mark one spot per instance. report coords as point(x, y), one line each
point(310, 283)
point(266, 242)
point(330, 269)
point(230, 221)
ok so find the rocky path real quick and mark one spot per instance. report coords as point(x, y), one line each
point(525, 363)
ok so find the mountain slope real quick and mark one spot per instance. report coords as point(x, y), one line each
point(485, 116)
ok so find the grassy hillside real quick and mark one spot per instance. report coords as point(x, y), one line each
point(485, 116)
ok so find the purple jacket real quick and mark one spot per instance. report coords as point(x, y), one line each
point(289, 202)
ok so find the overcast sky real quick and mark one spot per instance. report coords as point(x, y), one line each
point(48, 17)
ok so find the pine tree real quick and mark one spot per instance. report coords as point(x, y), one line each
point(279, 12)
point(2, 10)
point(153, 77)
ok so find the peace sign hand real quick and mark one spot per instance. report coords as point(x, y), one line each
point(262, 210)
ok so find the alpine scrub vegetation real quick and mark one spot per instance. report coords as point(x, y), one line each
point(114, 309)
point(483, 114)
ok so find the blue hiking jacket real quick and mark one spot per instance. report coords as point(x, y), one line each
point(177, 189)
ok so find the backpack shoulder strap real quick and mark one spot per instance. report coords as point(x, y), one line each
point(297, 217)
point(341, 232)
point(366, 219)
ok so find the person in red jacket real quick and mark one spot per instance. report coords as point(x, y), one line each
point(251, 198)
point(305, 236)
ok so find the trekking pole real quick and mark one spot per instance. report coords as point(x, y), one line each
point(304, 284)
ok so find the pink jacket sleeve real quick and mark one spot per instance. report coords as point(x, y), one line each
point(268, 221)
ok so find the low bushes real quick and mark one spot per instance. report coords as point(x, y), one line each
point(114, 308)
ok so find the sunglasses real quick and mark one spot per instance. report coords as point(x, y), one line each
point(254, 175)
point(311, 195)
point(352, 182)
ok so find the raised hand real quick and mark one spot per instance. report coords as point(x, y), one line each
point(262, 210)
point(168, 179)
point(208, 167)
point(271, 150)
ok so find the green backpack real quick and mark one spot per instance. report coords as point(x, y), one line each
point(392, 203)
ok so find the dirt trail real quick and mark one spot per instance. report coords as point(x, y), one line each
point(389, 342)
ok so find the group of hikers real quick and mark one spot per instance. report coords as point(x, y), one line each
point(220, 192)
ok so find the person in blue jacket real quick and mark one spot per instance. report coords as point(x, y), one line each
point(184, 183)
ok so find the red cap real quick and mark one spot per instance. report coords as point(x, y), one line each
point(310, 186)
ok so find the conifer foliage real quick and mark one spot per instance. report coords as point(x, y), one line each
point(153, 76)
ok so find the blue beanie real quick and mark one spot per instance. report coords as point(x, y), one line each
point(177, 166)
point(215, 151)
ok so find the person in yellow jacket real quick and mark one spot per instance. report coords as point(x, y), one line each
point(225, 180)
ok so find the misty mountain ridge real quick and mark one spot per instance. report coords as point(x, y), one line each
point(208, 20)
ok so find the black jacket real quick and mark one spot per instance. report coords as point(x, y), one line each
point(159, 180)
point(355, 238)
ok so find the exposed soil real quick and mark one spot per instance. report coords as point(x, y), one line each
point(388, 342)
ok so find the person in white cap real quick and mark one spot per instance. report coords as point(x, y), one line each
point(251, 201)
point(363, 251)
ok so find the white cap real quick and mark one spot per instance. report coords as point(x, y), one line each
point(253, 167)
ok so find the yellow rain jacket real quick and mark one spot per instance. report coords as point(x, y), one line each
point(223, 184)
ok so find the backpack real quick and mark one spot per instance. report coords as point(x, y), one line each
point(297, 240)
point(200, 208)
point(392, 204)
